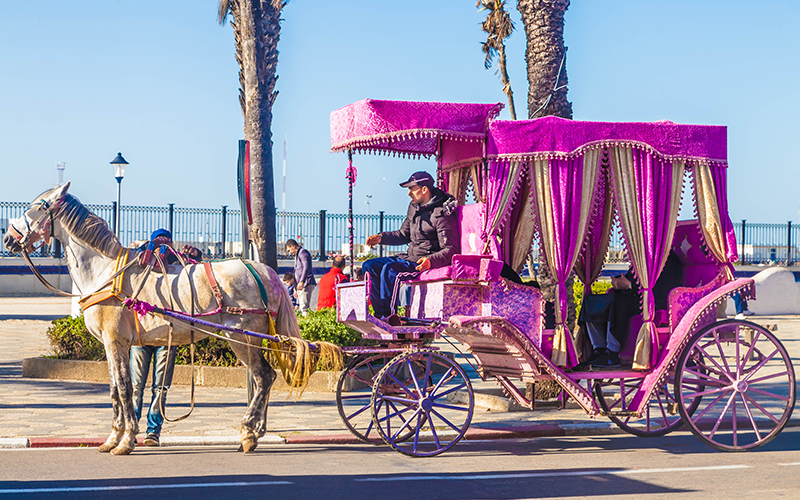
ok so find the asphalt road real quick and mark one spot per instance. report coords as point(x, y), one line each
point(676, 466)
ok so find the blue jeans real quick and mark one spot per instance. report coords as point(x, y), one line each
point(163, 364)
point(740, 302)
point(383, 273)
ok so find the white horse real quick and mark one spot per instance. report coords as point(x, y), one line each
point(93, 253)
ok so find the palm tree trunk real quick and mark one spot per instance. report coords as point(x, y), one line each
point(256, 25)
point(501, 53)
point(545, 53)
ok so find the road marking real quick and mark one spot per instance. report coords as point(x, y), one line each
point(141, 487)
point(790, 464)
point(527, 475)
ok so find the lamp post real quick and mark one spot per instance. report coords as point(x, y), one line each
point(369, 199)
point(119, 165)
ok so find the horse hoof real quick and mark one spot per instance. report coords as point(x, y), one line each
point(249, 443)
point(122, 450)
point(105, 447)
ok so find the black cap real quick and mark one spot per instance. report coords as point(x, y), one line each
point(419, 179)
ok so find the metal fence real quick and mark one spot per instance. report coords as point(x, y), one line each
point(217, 232)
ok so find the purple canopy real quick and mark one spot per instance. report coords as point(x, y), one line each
point(552, 136)
point(564, 164)
point(404, 127)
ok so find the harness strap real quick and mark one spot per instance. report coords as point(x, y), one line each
point(238, 311)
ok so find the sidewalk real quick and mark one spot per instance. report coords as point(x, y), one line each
point(45, 413)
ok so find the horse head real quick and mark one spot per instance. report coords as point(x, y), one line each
point(36, 223)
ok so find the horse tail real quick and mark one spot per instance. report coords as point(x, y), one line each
point(286, 319)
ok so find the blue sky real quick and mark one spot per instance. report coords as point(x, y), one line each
point(158, 81)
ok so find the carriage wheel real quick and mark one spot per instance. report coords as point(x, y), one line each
point(417, 392)
point(354, 395)
point(659, 418)
point(748, 385)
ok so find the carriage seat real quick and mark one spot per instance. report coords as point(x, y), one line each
point(470, 264)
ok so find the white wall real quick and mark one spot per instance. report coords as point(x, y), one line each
point(27, 284)
point(776, 293)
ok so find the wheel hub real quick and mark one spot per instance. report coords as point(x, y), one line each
point(740, 386)
point(426, 404)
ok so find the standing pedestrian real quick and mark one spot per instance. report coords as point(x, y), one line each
point(303, 274)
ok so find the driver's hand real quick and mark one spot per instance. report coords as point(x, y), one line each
point(375, 239)
point(424, 264)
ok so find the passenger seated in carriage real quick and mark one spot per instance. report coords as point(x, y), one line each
point(430, 232)
point(606, 318)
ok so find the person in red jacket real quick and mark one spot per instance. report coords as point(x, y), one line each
point(328, 282)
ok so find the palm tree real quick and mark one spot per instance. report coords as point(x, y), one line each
point(498, 26)
point(256, 28)
point(546, 56)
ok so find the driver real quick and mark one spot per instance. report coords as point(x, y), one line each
point(430, 232)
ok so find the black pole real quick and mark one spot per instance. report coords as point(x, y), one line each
point(224, 228)
point(380, 230)
point(171, 216)
point(56, 248)
point(114, 217)
point(322, 251)
point(744, 225)
point(789, 243)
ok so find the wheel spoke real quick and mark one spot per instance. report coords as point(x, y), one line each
point(721, 370)
point(427, 374)
point(395, 414)
point(405, 425)
point(761, 364)
point(433, 431)
point(744, 360)
point(733, 422)
point(750, 416)
point(356, 396)
point(417, 430)
point(768, 394)
point(722, 354)
point(722, 415)
point(445, 420)
point(401, 384)
point(708, 380)
point(448, 391)
point(702, 413)
point(767, 377)
point(763, 410)
point(447, 377)
point(396, 399)
point(412, 375)
point(706, 393)
point(450, 407)
point(358, 412)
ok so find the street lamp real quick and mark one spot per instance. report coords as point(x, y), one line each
point(369, 198)
point(119, 165)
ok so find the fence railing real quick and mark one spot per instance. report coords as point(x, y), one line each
point(217, 232)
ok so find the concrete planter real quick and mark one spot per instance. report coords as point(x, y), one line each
point(207, 376)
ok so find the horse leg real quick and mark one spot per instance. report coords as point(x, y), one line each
point(126, 425)
point(117, 424)
point(254, 423)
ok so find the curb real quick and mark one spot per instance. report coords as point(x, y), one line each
point(476, 433)
point(473, 434)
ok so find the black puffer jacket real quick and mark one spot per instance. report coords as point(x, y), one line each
point(430, 230)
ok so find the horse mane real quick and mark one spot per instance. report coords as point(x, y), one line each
point(82, 224)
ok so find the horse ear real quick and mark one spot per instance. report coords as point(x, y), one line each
point(60, 191)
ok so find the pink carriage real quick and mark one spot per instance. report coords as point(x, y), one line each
point(730, 382)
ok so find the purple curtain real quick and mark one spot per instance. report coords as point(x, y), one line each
point(720, 175)
point(647, 190)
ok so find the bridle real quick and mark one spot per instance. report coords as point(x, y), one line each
point(41, 229)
